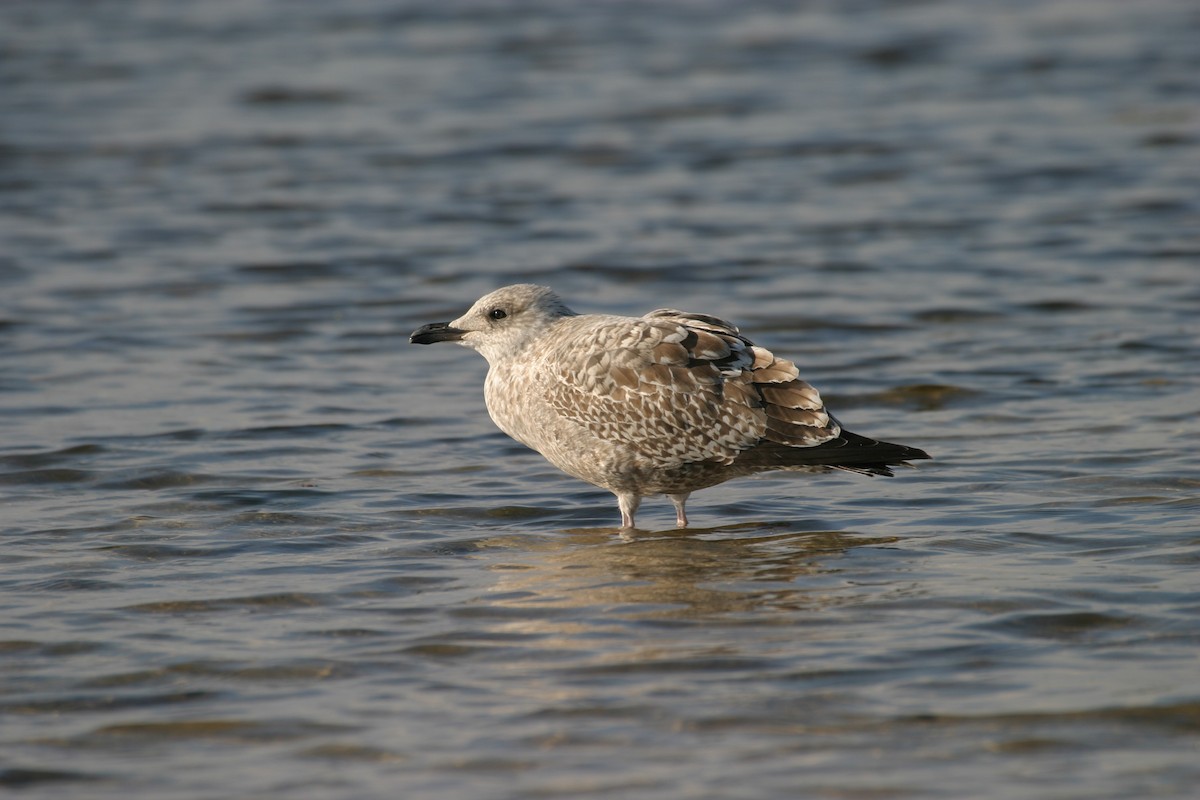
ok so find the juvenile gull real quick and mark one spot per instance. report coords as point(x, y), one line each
point(667, 403)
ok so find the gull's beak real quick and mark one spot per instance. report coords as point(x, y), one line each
point(435, 332)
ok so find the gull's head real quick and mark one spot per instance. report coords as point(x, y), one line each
point(500, 324)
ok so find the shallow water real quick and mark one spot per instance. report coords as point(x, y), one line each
point(257, 545)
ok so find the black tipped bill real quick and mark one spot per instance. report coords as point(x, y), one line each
point(435, 332)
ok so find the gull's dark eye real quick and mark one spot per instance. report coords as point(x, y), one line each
point(497, 313)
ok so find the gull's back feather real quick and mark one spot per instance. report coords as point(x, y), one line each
point(682, 388)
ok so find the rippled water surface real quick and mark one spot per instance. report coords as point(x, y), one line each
point(256, 545)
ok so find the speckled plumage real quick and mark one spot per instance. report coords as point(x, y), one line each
point(666, 403)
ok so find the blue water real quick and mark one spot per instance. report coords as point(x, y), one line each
point(257, 545)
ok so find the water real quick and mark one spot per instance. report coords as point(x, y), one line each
point(256, 545)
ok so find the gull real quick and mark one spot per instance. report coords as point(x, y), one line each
point(666, 403)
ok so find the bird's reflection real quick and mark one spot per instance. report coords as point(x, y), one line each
point(681, 574)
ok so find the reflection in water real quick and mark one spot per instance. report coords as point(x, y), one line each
point(695, 574)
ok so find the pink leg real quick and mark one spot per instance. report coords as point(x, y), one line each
point(628, 503)
point(678, 500)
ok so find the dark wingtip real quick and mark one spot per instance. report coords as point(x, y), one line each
point(435, 332)
point(849, 451)
point(913, 452)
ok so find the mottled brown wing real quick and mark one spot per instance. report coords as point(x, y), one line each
point(681, 388)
